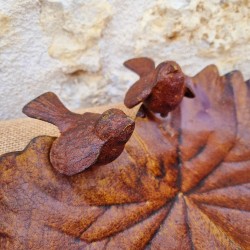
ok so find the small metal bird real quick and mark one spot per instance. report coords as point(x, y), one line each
point(86, 140)
point(161, 89)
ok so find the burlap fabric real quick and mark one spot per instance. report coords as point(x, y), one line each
point(16, 134)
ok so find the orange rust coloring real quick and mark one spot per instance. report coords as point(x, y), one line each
point(86, 140)
point(182, 182)
point(161, 89)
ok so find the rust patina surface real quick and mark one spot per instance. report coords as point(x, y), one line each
point(86, 140)
point(181, 182)
point(160, 89)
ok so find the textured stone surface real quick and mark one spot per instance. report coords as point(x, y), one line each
point(76, 48)
point(198, 32)
point(75, 28)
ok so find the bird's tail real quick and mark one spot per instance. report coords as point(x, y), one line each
point(47, 107)
point(141, 65)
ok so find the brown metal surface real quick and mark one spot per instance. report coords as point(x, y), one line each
point(86, 140)
point(160, 89)
point(182, 182)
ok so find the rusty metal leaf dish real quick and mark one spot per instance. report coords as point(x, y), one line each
point(182, 182)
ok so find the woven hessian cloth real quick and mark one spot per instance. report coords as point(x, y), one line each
point(16, 134)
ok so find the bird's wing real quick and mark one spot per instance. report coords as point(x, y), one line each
point(140, 90)
point(73, 155)
point(141, 65)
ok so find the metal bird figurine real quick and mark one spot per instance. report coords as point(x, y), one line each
point(87, 139)
point(161, 89)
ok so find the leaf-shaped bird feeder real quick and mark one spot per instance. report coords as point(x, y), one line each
point(182, 182)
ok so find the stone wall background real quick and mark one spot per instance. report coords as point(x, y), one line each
point(76, 47)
